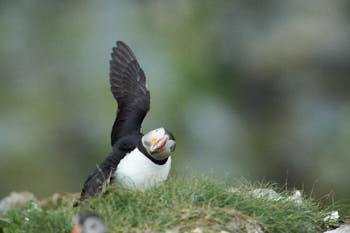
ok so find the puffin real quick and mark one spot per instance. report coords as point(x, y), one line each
point(137, 160)
point(88, 223)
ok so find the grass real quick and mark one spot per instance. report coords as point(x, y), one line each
point(178, 205)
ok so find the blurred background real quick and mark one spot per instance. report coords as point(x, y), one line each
point(258, 89)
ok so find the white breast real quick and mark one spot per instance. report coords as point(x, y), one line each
point(137, 171)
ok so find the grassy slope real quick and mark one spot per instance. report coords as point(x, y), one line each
point(181, 203)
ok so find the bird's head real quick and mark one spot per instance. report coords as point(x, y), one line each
point(88, 223)
point(159, 143)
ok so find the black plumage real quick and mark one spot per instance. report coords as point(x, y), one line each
point(103, 173)
point(128, 86)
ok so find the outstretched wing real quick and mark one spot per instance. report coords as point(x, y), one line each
point(128, 86)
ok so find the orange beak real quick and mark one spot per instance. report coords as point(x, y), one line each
point(77, 229)
point(160, 144)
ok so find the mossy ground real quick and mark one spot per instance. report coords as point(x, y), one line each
point(179, 205)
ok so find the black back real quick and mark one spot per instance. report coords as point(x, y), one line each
point(128, 86)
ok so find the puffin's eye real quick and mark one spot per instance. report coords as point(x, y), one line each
point(172, 148)
point(154, 140)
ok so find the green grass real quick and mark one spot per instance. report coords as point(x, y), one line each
point(181, 204)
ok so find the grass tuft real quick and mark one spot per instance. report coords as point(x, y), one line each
point(181, 204)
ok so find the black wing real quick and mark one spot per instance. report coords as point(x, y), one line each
point(102, 175)
point(99, 178)
point(128, 86)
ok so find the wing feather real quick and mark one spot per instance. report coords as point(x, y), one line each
point(128, 86)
